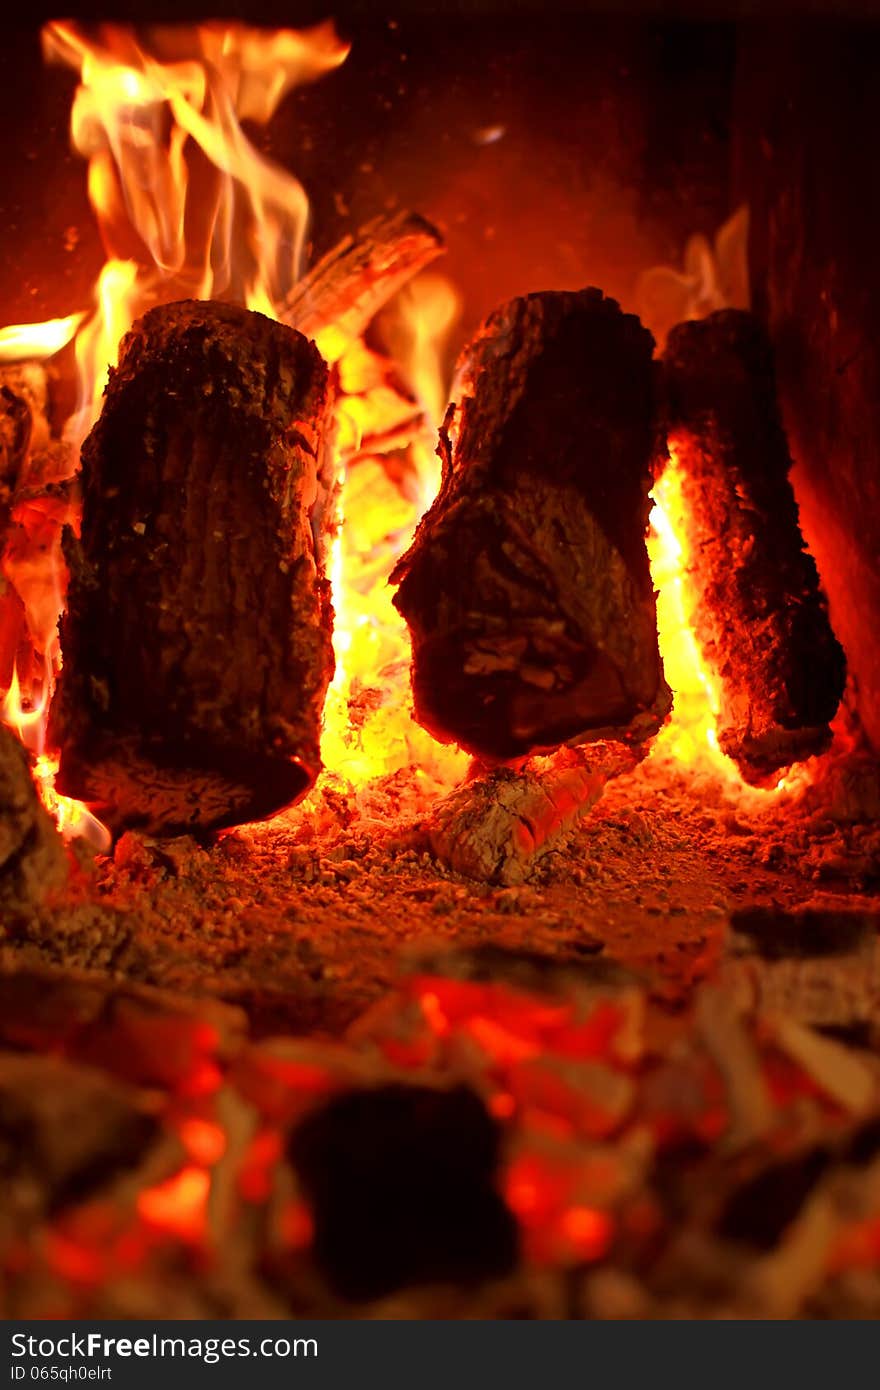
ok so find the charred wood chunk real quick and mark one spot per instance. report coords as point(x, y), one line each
point(820, 967)
point(495, 827)
point(197, 637)
point(527, 589)
point(24, 424)
point(401, 1182)
point(33, 863)
point(757, 610)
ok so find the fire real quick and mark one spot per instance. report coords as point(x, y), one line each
point(369, 730)
point(187, 207)
point(690, 738)
point(34, 342)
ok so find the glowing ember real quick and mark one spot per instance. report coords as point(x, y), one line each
point(179, 1205)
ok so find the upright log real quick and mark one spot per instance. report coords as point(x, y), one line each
point(527, 588)
point(197, 637)
point(755, 604)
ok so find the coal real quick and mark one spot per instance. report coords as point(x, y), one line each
point(400, 1180)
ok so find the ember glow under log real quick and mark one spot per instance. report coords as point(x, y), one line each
point(753, 591)
point(527, 588)
point(197, 637)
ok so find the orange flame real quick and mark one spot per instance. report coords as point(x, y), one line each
point(186, 205)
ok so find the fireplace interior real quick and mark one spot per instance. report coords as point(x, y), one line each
point(439, 791)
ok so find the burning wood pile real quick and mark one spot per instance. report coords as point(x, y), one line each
point(208, 535)
point(255, 559)
point(208, 509)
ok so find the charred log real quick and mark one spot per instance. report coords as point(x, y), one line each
point(756, 606)
point(527, 588)
point(495, 827)
point(197, 638)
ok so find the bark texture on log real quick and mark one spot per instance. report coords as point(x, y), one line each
point(353, 281)
point(527, 588)
point(197, 637)
point(754, 596)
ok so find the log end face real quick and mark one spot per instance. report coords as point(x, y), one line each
point(193, 789)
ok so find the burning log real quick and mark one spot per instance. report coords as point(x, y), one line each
point(756, 606)
point(197, 638)
point(495, 827)
point(527, 589)
point(353, 281)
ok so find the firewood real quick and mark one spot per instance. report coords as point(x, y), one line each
point(197, 637)
point(527, 589)
point(755, 603)
point(495, 827)
point(353, 281)
point(16, 426)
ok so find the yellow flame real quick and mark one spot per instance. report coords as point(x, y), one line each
point(185, 204)
point(28, 720)
point(34, 342)
point(369, 730)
